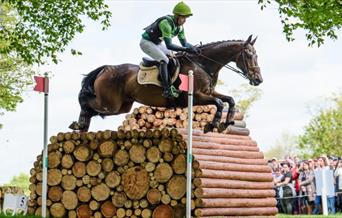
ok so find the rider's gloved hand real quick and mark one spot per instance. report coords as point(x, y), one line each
point(193, 50)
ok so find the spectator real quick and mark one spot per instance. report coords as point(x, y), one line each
point(296, 160)
point(277, 175)
point(286, 190)
point(334, 163)
point(303, 182)
point(318, 198)
point(323, 163)
point(274, 165)
point(338, 175)
point(295, 176)
point(331, 163)
point(331, 183)
point(316, 164)
point(307, 187)
point(311, 164)
point(274, 162)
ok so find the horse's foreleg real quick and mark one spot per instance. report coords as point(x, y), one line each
point(231, 110)
point(83, 122)
point(202, 99)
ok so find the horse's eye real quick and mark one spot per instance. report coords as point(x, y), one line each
point(249, 53)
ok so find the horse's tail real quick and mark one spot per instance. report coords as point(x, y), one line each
point(87, 91)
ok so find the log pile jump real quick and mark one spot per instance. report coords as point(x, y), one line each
point(140, 170)
point(146, 117)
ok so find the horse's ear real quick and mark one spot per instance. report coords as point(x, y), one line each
point(253, 41)
point(248, 40)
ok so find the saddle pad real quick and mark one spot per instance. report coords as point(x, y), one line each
point(149, 76)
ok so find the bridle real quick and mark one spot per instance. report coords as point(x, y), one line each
point(244, 73)
point(245, 64)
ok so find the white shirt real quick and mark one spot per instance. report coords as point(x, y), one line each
point(338, 172)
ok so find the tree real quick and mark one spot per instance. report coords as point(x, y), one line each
point(323, 134)
point(22, 181)
point(45, 28)
point(15, 74)
point(320, 19)
point(34, 32)
point(245, 96)
point(285, 145)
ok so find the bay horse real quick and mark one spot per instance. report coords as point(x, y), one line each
point(112, 89)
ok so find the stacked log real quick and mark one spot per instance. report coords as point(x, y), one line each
point(112, 174)
point(146, 117)
point(140, 170)
point(231, 176)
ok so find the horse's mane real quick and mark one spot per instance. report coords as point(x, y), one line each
point(219, 42)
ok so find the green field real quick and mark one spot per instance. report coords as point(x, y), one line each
point(308, 216)
point(18, 216)
point(278, 216)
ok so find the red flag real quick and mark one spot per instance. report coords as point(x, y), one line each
point(40, 84)
point(184, 86)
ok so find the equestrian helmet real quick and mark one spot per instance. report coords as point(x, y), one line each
point(182, 9)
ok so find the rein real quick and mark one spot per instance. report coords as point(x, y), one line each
point(228, 66)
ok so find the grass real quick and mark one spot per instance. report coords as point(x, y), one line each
point(18, 216)
point(278, 216)
point(308, 216)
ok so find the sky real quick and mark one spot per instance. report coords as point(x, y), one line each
point(295, 76)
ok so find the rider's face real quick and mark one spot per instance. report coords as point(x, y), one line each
point(181, 20)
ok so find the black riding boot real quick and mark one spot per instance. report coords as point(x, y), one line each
point(164, 74)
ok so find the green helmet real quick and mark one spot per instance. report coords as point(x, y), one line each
point(182, 9)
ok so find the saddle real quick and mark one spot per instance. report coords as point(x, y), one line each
point(149, 71)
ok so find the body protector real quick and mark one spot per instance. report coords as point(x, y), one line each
point(154, 33)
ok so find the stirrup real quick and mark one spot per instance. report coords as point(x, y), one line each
point(174, 91)
point(167, 94)
point(171, 92)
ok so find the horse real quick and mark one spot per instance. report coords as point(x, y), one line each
point(112, 89)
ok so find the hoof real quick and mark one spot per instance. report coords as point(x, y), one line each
point(221, 127)
point(74, 126)
point(208, 128)
point(231, 123)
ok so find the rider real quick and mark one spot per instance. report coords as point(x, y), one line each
point(164, 29)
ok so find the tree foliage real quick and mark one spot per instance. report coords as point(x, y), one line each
point(15, 75)
point(45, 28)
point(323, 134)
point(21, 181)
point(320, 19)
point(245, 96)
point(285, 145)
point(33, 32)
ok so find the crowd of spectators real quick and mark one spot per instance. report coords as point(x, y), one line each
point(298, 189)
